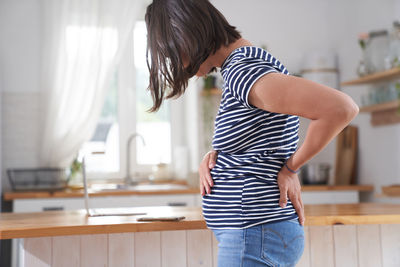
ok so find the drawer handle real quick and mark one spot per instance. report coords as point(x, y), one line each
point(177, 204)
point(52, 208)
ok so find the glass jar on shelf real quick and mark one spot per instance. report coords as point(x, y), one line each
point(393, 93)
point(364, 100)
point(372, 99)
point(393, 57)
point(376, 50)
point(364, 65)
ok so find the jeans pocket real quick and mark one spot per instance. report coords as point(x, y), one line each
point(282, 244)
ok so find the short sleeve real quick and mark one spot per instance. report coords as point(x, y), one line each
point(244, 74)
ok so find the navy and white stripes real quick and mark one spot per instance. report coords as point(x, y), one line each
point(253, 145)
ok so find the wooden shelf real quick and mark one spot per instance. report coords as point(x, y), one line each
point(375, 77)
point(381, 106)
point(391, 190)
point(384, 113)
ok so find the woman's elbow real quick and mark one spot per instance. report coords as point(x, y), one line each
point(352, 108)
point(348, 110)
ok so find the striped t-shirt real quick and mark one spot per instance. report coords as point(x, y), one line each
point(252, 146)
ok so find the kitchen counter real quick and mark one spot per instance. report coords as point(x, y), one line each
point(59, 223)
point(364, 234)
point(174, 189)
point(100, 190)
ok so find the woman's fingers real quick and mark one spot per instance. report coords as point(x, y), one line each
point(289, 186)
point(209, 179)
point(206, 188)
point(298, 206)
point(201, 188)
point(295, 197)
point(212, 159)
point(204, 184)
point(302, 217)
point(206, 181)
point(283, 196)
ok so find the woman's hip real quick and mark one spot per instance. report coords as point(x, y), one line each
point(270, 244)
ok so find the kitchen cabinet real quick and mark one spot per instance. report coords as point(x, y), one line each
point(49, 204)
point(386, 112)
point(334, 194)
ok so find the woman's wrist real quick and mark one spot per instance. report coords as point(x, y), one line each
point(290, 166)
point(291, 169)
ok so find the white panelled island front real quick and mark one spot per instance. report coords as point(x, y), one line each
point(365, 234)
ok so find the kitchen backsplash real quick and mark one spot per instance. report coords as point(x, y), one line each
point(20, 131)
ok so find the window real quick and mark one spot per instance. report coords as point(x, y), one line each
point(107, 148)
point(102, 151)
point(154, 127)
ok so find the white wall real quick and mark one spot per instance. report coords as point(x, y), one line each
point(292, 28)
point(397, 9)
point(287, 28)
point(20, 36)
point(20, 59)
point(379, 146)
point(1, 121)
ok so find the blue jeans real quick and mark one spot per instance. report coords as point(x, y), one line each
point(271, 244)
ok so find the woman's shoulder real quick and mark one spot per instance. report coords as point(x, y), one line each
point(250, 57)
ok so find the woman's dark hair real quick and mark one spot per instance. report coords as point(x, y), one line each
point(193, 29)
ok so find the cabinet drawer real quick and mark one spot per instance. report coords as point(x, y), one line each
point(48, 204)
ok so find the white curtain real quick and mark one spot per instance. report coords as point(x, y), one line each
point(83, 40)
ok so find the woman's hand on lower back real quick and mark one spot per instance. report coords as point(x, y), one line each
point(289, 187)
point(206, 181)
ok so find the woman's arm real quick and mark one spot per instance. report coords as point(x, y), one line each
point(328, 109)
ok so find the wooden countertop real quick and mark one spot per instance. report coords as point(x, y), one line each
point(58, 223)
point(94, 193)
point(360, 188)
point(122, 192)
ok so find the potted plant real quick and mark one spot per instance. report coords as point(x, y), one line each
point(75, 173)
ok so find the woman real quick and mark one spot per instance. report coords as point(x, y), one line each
point(249, 183)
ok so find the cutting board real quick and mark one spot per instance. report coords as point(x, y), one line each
point(346, 156)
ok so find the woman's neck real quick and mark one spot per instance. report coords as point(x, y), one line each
point(225, 51)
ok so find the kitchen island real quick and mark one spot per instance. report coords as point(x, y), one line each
point(170, 193)
point(365, 234)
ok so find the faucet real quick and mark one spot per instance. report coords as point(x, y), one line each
point(128, 180)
